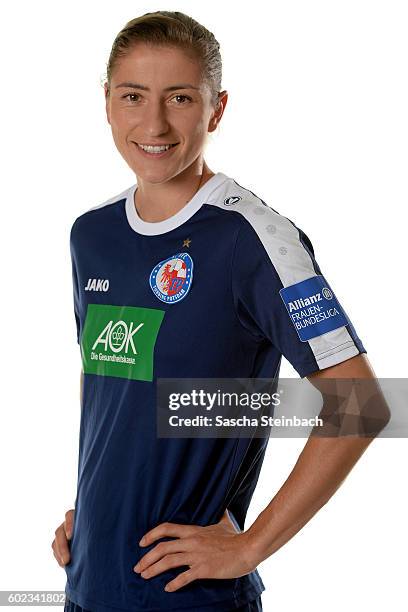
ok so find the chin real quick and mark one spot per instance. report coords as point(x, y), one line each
point(154, 177)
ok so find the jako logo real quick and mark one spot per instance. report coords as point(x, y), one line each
point(232, 200)
point(97, 284)
point(118, 337)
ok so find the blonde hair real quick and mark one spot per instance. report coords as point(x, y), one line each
point(169, 28)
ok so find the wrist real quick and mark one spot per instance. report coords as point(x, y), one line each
point(254, 547)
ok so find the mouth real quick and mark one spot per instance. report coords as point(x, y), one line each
point(155, 150)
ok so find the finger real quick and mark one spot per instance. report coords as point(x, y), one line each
point(174, 560)
point(57, 558)
point(61, 542)
point(161, 550)
point(68, 523)
point(182, 579)
point(167, 529)
point(56, 554)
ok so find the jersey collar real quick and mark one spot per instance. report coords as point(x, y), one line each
point(161, 227)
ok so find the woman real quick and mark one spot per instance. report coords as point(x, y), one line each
point(186, 274)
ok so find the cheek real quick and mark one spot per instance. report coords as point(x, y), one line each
point(120, 122)
point(198, 129)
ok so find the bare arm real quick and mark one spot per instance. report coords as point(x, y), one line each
point(320, 469)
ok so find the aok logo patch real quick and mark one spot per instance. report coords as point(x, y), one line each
point(313, 307)
point(119, 341)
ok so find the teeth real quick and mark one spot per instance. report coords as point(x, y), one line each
point(154, 149)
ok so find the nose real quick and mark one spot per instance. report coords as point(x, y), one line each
point(154, 120)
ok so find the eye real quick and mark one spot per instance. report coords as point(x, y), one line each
point(183, 99)
point(132, 95)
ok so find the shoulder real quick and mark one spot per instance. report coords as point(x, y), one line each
point(99, 213)
point(260, 224)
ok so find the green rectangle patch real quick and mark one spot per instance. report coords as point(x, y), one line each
point(119, 341)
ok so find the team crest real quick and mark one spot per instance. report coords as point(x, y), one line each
point(170, 280)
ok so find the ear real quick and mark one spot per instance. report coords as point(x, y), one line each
point(218, 111)
point(106, 89)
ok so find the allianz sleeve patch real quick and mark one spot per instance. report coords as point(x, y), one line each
point(312, 307)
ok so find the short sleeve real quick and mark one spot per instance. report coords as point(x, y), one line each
point(75, 286)
point(280, 294)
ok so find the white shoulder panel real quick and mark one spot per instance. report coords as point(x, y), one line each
point(290, 258)
point(117, 198)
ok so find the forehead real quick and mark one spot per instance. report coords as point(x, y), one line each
point(156, 65)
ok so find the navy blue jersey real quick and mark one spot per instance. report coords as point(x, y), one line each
point(222, 289)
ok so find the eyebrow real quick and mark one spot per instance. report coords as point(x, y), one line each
point(144, 88)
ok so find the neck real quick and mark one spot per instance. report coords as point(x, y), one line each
point(158, 201)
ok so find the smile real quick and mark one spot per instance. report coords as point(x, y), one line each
point(156, 149)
